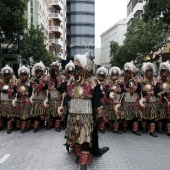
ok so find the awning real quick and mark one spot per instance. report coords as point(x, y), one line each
point(10, 58)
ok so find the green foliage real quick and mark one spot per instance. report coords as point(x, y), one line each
point(154, 8)
point(12, 20)
point(119, 55)
point(33, 45)
point(143, 39)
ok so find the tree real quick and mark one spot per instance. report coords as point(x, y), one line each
point(144, 39)
point(119, 55)
point(33, 45)
point(154, 8)
point(12, 21)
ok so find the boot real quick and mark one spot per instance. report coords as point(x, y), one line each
point(85, 158)
point(9, 127)
point(18, 124)
point(144, 125)
point(125, 125)
point(83, 167)
point(57, 125)
point(160, 125)
point(77, 152)
point(116, 128)
point(102, 127)
point(28, 126)
point(1, 124)
point(135, 129)
point(23, 126)
point(36, 126)
point(49, 124)
point(110, 125)
point(152, 130)
point(100, 151)
point(168, 129)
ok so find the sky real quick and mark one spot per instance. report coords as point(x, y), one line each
point(107, 13)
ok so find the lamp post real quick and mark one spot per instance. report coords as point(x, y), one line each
point(2, 38)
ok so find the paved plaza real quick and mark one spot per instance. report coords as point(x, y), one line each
point(45, 151)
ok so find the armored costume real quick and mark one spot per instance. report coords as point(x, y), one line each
point(21, 102)
point(130, 89)
point(80, 119)
point(149, 95)
point(163, 87)
point(40, 95)
point(54, 84)
point(100, 80)
point(112, 96)
point(6, 88)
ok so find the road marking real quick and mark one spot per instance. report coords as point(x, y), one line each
point(4, 158)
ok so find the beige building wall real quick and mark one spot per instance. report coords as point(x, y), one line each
point(57, 28)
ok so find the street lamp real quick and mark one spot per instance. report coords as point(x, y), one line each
point(19, 39)
point(2, 38)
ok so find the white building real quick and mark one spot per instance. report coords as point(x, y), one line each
point(57, 28)
point(37, 14)
point(115, 33)
point(43, 10)
point(134, 10)
point(98, 56)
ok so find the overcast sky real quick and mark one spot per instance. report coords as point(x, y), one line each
point(107, 13)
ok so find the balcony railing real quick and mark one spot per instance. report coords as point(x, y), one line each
point(56, 41)
point(56, 2)
point(56, 15)
point(56, 29)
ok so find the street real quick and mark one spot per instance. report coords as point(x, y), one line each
point(45, 151)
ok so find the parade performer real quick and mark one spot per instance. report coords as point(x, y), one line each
point(54, 82)
point(80, 119)
point(40, 95)
point(100, 79)
point(163, 94)
point(69, 73)
point(6, 88)
point(131, 88)
point(112, 99)
point(149, 105)
point(21, 102)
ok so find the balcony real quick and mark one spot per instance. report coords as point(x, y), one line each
point(56, 41)
point(56, 16)
point(56, 2)
point(56, 29)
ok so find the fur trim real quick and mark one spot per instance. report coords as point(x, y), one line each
point(102, 69)
point(23, 68)
point(129, 66)
point(165, 65)
point(115, 68)
point(146, 66)
point(82, 59)
point(6, 68)
point(39, 65)
point(70, 64)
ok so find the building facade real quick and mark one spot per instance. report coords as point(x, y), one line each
point(57, 28)
point(37, 14)
point(116, 34)
point(80, 27)
point(134, 10)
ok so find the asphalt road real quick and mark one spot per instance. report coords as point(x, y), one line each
point(45, 151)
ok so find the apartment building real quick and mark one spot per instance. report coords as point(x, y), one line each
point(115, 33)
point(57, 28)
point(134, 10)
point(80, 27)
